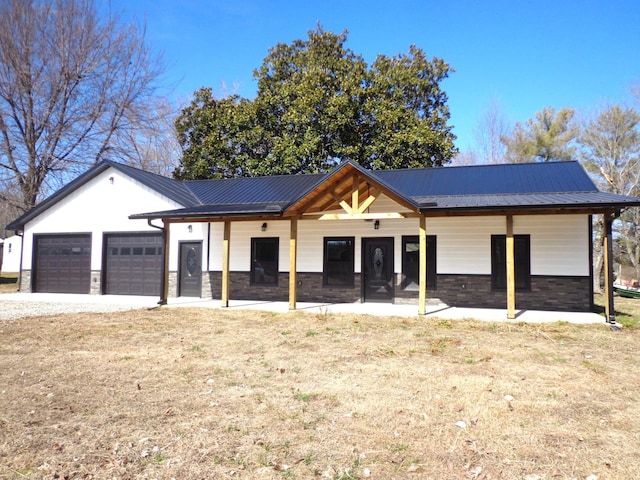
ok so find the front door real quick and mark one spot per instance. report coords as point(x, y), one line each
point(190, 271)
point(377, 269)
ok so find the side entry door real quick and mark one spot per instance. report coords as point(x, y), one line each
point(190, 271)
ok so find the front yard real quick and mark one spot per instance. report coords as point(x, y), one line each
point(179, 393)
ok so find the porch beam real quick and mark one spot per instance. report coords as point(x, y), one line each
point(345, 206)
point(355, 193)
point(608, 268)
point(367, 203)
point(361, 216)
point(293, 264)
point(422, 275)
point(224, 297)
point(511, 270)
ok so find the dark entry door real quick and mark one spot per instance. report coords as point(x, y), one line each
point(377, 269)
point(190, 270)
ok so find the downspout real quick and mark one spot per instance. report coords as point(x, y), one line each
point(21, 235)
point(163, 300)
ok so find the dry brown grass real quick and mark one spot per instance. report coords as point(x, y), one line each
point(627, 309)
point(178, 393)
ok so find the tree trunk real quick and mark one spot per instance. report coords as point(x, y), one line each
point(598, 253)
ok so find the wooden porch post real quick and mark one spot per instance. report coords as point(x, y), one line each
point(511, 270)
point(608, 268)
point(225, 264)
point(422, 278)
point(165, 267)
point(293, 252)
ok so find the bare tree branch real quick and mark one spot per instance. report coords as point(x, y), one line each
point(74, 86)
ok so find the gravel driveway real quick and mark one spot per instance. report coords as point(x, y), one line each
point(19, 305)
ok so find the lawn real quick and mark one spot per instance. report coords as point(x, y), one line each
point(8, 282)
point(196, 393)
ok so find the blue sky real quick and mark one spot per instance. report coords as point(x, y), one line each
point(524, 54)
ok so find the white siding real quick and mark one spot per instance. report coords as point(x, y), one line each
point(11, 254)
point(180, 233)
point(98, 206)
point(385, 204)
point(310, 240)
point(464, 243)
point(559, 244)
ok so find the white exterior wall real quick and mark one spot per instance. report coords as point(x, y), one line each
point(98, 206)
point(559, 243)
point(180, 233)
point(11, 254)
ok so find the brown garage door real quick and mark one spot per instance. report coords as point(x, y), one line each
point(133, 264)
point(62, 263)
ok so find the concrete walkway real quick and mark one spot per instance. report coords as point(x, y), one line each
point(442, 311)
point(41, 302)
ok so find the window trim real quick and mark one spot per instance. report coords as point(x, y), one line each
point(522, 277)
point(252, 277)
point(325, 259)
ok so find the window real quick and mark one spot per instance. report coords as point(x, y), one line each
point(522, 252)
point(264, 261)
point(338, 262)
point(411, 263)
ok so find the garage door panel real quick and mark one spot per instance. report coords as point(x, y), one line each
point(62, 263)
point(134, 264)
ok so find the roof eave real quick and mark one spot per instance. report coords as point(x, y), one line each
point(273, 211)
point(496, 209)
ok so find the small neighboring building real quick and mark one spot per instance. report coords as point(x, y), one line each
point(514, 236)
point(10, 254)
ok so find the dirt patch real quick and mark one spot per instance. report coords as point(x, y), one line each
point(195, 393)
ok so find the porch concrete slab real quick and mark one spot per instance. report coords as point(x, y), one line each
point(441, 311)
point(61, 302)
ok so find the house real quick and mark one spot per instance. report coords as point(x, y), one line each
point(515, 236)
point(11, 254)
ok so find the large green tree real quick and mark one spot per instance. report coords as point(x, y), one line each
point(318, 103)
point(547, 137)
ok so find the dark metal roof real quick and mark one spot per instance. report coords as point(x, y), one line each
point(170, 188)
point(247, 190)
point(531, 201)
point(551, 177)
point(509, 186)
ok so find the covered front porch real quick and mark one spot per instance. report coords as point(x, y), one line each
point(351, 194)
